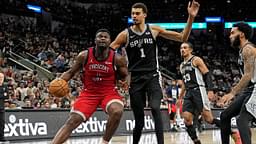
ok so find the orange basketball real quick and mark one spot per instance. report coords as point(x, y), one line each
point(58, 88)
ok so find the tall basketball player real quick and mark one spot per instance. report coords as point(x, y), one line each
point(141, 51)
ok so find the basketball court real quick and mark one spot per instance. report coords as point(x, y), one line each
point(207, 137)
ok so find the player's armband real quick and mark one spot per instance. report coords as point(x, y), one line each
point(208, 81)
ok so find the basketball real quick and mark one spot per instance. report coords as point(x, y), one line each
point(58, 88)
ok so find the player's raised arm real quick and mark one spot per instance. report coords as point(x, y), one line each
point(193, 8)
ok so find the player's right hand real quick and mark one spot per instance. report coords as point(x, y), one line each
point(225, 100)
point(193, 8)
point(179, 102)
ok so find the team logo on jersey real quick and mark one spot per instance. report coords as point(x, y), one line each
point(100, 67)
point(132, 36)
point(140, 42)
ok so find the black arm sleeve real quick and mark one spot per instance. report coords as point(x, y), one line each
point(208, 81)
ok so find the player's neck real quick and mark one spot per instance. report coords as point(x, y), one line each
point(101, 53)
point(243, 43)
point(187, 57)
point(139, 28)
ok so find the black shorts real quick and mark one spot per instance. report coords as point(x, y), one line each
point(195, 100)
point(146, 86)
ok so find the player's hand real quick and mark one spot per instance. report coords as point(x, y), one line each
point(193, 8)
point(225, 99)
point(179, 102)
point(124, 85)
point(211, 96)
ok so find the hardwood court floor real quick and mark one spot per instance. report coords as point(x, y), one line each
point(207, 137)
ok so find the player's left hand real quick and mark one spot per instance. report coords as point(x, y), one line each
point(193, 8)
point(225, 99)
point(124, 85)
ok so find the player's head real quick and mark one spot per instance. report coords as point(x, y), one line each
point(139, 13)
point(240, 31)
point(102, 38)
point(186, 49)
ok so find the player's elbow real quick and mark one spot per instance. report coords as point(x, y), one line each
point(123, 75)
point(184, 38)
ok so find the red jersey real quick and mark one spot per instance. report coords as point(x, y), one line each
point(99, 77)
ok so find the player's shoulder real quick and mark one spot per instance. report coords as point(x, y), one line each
point(83, 54)
point(197, 60)
point(85, 51)
point(194, 57)
point(249, 49)
point(124, 32)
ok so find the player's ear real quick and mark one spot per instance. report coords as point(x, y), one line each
point(241, 34)
point(145, 15)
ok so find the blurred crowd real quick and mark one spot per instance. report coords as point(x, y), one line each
point(65, 27)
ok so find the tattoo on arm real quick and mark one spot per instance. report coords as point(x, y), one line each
point(249, 63)
point(121, 65)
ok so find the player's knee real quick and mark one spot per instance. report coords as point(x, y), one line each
point(115, 110)
point(74, 121)
point(188, 122)
point(187, 115)
point(187, 119)
point(208, 119)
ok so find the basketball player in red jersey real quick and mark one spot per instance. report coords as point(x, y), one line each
point(100, 65)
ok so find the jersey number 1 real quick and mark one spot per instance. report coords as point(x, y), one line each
point(142, 53)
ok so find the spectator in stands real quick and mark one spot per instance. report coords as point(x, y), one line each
point(42, 56)
point(59, 62)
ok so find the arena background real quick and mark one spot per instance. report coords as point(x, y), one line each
point(39, 40)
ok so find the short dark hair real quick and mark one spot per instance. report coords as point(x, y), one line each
point(245, 28)
point(190, 45)
point(142, 6)
point(102, 30)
